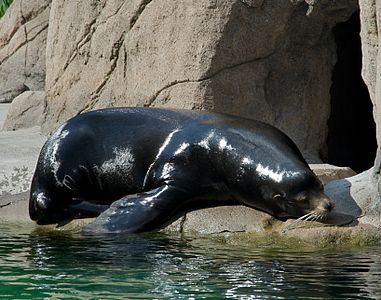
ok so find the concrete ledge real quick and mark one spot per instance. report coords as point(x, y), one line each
point(14, 208)
point(19, 151)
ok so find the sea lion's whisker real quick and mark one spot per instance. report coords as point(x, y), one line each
point(295, 223)
point(305, 216)
point(324, 216)
point(309, 217)
point(312, 217)
point(316, 218)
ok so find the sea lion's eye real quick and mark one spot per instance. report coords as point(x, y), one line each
point(302, 197)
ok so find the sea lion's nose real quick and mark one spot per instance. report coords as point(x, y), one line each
point(328, 206)
point(324, 203)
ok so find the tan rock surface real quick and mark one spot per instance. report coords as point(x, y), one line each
point(3, 113)
point(259, 59)
point(23, 32)
point(26, 111)
point(327, 172)
point(14, 208)
point(370, 15)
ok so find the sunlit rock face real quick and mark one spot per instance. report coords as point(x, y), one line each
point(23, 33)
point(265, 60)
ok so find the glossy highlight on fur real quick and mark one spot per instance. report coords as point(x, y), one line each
point(138, 169)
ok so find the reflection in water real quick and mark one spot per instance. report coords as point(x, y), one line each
point(373, 276)
point(58, 265)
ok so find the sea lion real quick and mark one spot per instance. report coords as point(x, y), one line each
point(138, 169)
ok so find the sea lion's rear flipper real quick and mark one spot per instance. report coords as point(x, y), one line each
point(139, 212)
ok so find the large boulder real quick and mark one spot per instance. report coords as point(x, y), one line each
point(268, 60)
point(23, 32)
point(25, 111)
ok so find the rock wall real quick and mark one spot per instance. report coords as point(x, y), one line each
point(365, 188)
point(370, 14)
point(23, 32)
point(268, 60)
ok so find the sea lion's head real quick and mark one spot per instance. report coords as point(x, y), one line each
point(299, 195)
point(292, 192)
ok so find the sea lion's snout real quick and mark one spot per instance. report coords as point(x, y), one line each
point(38, 204)
point(323, 203)
point(328, 206)
point(43, 211)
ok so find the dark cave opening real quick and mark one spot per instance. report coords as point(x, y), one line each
point(351, 140)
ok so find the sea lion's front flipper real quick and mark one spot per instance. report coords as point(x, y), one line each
point(139, 212)
point(83, 208)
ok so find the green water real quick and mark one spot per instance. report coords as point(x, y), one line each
point(51, 265)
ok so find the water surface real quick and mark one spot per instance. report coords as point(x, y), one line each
point(46, 265)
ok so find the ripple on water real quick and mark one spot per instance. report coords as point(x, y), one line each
point(66, 266)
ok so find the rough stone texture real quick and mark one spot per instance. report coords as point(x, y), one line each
point(26, 111)
point(14, 208)
point(23, 32)
point(357, 195)
point(223, 219)
point(6, 96)
point(327, 172)
point(3, 113)
point(370, 15)
point(258, 59)
point(369, 45)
